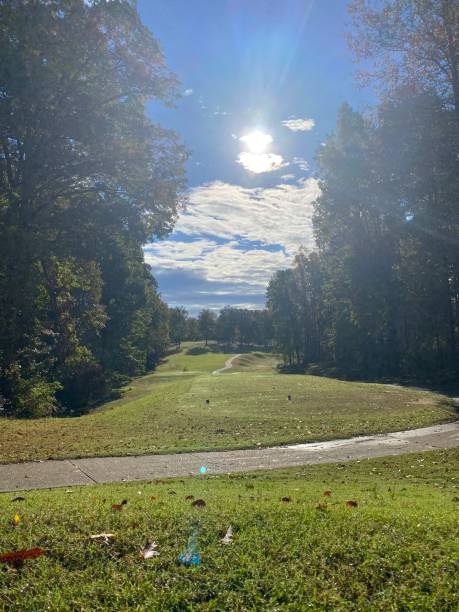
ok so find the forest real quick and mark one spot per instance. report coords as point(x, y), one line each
point(85, 178)
point(380, 296)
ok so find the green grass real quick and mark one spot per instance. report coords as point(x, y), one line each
point(206, 360)
point(167, 411)
point(397, 550)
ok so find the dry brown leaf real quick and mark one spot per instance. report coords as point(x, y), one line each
point(18, 557)
point(351, 504)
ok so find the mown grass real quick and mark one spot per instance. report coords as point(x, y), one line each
point(167, 412)
point(396, 550)
point(195, 357)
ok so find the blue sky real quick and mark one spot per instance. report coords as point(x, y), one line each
point(281, 70)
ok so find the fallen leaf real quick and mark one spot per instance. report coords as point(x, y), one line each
point(286, 499)
point(19, 498)
point(172, 493)
point(149, 550)
point(106, 537)
point(152, 497)
point(351, 504)
point(198, 503)
point(119, 507)
point(19, 556)
point(321, 507)
point(188, 497)
point(327, 493)
point(16, 520)
point(228, 538)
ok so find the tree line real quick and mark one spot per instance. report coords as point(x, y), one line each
point(380, 296)
point(231, 326)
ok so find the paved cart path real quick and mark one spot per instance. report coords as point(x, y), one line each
point(228, 365)
point(45, 474)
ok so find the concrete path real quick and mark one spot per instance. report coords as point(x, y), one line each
point(228, 365)
point(46, 474)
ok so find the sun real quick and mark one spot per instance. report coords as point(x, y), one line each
point(257, 141)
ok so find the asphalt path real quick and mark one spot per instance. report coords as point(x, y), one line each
point(228, 365)
point(67, 473)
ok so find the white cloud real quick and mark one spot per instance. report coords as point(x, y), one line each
point(217, 262)
point(299, 125)
point(301, 163)
point(287, 177)
point(188, 92)
point(261, 162)
point(237, 235)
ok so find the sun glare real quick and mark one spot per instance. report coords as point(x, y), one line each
point(260, 162)
point(257, 141)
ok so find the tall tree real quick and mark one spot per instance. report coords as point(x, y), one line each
point(413, 44)
point(84, 175)
point(207, 321)
point(178, 325)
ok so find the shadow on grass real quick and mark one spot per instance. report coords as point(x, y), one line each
point(447, 385)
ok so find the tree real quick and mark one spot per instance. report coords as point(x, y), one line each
point(192, 329)
point(281, 303)
point(207, 322)
point(381, 295)
point(178, 324)
point(414, 44)
point(227, 325)
point(85, 179)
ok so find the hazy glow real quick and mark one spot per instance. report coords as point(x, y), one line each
point(262, 162)
point(257, 141)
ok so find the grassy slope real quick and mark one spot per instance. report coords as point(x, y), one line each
point(397, 550)
point(167, 412)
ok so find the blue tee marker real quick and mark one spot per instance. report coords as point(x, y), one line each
point(202, 470)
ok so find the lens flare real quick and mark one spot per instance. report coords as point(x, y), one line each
point(257, 141)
